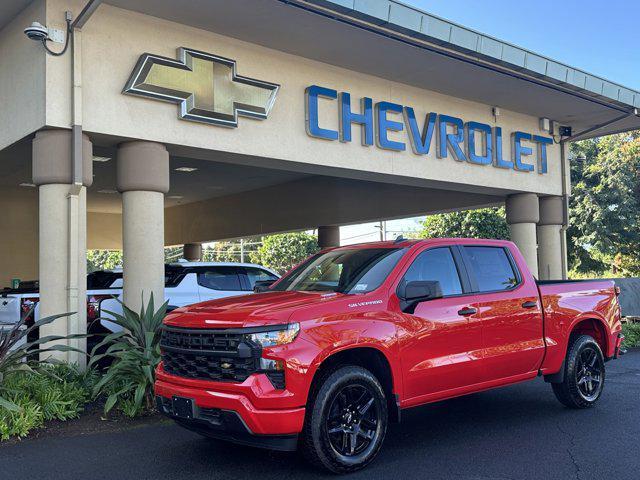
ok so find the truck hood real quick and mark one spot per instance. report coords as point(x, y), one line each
point(269, 308)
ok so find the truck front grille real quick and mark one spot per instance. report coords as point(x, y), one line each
point(219, 355)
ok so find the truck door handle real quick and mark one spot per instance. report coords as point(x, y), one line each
point(467, 311)
point(530, 304)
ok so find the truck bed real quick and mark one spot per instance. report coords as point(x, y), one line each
point(593, 304)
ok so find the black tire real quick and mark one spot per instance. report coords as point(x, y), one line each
point(349, 406)
point(584, 374)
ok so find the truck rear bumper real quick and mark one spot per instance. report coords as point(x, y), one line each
point(224, 414)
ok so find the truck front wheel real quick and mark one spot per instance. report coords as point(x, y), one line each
point(583, 376)
point(346, 420)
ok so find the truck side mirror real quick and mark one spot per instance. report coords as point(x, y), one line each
point(262, 285)
point(412, 293)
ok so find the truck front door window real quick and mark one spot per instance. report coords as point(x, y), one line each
point(436, 264)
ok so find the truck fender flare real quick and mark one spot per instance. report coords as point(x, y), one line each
point(396, 378)
point(558, 377)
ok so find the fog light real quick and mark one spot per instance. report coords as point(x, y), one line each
point(270, 364)
point(274, 370)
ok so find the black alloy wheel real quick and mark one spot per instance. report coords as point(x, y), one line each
point(346, 420)
point(353, 420)
point(589, 373)
point(584, 374)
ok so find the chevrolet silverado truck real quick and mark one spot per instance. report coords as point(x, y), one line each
point(332, 352)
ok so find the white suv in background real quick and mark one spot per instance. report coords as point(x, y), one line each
point(185, 283)
point(190, 282)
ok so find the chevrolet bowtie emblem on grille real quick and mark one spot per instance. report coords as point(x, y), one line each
point(206, 87)
point(225, 365)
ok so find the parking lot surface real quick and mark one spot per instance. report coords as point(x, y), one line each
point(518, 432)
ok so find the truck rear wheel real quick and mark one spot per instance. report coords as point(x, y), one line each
point(346, 420)
point(583, 376)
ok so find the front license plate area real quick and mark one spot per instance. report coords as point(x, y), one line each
point(182, 407)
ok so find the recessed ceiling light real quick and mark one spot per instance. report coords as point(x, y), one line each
point(175, 197)
point(106, 190)
point(101, 159)
point(25, 184)
point(186, 169)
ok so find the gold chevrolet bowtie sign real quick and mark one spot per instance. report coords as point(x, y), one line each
point(206, 87)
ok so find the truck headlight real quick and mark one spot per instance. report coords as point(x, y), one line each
point(275, 338)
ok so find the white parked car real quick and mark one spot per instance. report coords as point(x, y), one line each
point(185, 283)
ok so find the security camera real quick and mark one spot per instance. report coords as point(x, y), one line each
point(36, 31)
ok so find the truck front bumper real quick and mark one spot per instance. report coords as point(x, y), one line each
point(231, 411)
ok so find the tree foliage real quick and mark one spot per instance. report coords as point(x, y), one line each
point(480, 223)
point(103, 260)
point(230, 251)
point(173, 254)
point(283, 251)
point(604, 227)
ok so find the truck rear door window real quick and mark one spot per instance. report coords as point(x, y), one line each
point(492, 268)
point(436, 264)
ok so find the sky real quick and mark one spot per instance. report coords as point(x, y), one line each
point(601, 38)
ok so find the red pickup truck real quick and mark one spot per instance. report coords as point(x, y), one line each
point(338, 347)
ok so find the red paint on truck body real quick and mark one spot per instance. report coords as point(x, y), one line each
point(433, 353)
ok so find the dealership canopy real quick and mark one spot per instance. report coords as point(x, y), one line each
point(176, 123)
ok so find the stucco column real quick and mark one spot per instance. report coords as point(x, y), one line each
point(328, 236)
point(62, 223)
point(550, 238)
point(522, 215)
point(192, 252)
point(143, 180)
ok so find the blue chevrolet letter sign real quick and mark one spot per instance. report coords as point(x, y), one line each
point(471, 142)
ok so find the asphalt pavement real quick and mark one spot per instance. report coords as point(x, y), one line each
point(517, 432)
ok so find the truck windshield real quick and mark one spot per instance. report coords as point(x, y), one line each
point(345, 271)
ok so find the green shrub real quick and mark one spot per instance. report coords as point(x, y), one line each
point(631, 333)
point(15, 356)
point(43, 392)
point(135, 353)
point(19, 422)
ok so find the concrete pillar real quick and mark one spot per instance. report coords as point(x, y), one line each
point(550, 238)
point(143, 179)
point(62, 224)
point(522, 215)
point(328, 236)
point(192, 252)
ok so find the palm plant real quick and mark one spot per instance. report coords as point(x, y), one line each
point(16, 355)
point(135, 354)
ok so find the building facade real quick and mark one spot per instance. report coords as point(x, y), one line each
point(167, 123)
